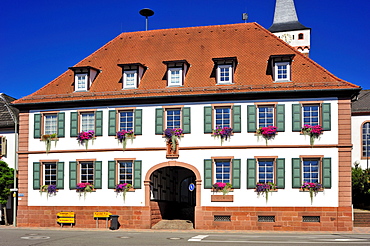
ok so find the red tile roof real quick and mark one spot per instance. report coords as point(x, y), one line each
point(250, 43)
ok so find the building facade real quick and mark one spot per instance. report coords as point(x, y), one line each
point(199, 79)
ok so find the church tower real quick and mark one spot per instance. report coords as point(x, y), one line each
point(287, 27)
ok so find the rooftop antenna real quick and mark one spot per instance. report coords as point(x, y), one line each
point(245, 17)
point(146, 13)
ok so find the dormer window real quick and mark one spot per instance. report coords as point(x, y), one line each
point(224, 69)
point(132, 74)
point(279, 66)
point(84, 77)
point(176, 71)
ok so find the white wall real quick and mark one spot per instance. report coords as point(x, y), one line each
point(242, 196)
point(10, 147)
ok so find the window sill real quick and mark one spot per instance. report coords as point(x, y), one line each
point(307, 190)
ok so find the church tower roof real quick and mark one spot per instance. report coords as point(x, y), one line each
point(285, 17)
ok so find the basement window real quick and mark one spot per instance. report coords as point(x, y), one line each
point(222, 218)
point(310, 218)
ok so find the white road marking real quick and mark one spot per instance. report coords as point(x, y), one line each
point(198, 238)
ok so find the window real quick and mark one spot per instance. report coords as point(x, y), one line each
point(366, 140)
point(265, 116)
point(126, 120)
point(300, 36)
point(125, 172)
point(222, 116)
point(50, 173)
point(311, 114)
point(132, 74)
point(224, 69)
point(50, 124)
point(311, 170)
point(176, 71)
point(266, 171)
point(129, 79)
point(2, 146)
point(282, 71)
point(279, 66)
point(224, 74)
point(174, 76)
point(87, 172)
point(173, 118)
point(87, 121)
point(83, 77)
point(223, 171)
point(81, 81)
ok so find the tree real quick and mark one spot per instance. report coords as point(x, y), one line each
point(360, 187)
point(6, 181)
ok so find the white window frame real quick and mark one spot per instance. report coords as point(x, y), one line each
point(84, 84)
point(44, 172)
point(310, 117)
point(319, 168)
point(230, 77)
point(215, 180)
point(126, 81)
point(223, 119)
point(2, 146)
point(171, 79)
point(81, 121)
point(276, 71)
point(166, 116)
point(88, 169)
point(273, 168)
point(125, 122)
point(53, 126)
point(365, 136)
point(273, 115)
point(119, 172)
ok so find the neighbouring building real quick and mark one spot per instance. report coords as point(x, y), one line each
point(8, 139)
point(361, 130)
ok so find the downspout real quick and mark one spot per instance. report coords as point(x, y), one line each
point(15, 120)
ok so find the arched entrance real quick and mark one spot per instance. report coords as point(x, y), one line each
point(167, 191)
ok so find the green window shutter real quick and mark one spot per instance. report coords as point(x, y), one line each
point(296, 173)
point(99, 123)
point(296, 118)
point(236, 173)
point(98, 175)
point(186, 120)
point(36, 176)
point(280, 173)
point(326, 172)
point(208, 119)
point(37, 126)
point(137, 174)
point(112, 123)
point(159, 121)
point(237, 126)
point(138, 121)
point(252, 118)
point(208, 173)
point(280, 117)
point(60, 175)
point(326, 116)
point(74, 124)
point(72, 175)
point(251, 174)
point(61, 125)
point(112, 175)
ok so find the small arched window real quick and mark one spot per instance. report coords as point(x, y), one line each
point(300, 36)
point(366, 139)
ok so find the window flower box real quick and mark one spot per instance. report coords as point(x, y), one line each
point(123, 188)
point(223, 133)
point(225, 188)
point(268, 132)
point(222, 198)
point(84, 137)
point(313, 131)
point(265, 188)
point(84, 188)
point(50, 190)
point(48, 138)
point(123, 135)
point(313, 188)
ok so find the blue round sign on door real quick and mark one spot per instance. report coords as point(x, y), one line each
point(191, 187)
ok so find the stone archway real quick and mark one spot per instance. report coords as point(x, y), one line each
point(170, 166)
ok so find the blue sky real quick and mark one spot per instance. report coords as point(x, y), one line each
point(40, 39)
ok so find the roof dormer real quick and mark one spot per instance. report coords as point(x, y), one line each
point(279, 67)
point(224, 69)
point(132, 74)
point(84, 76)
point(176, 71)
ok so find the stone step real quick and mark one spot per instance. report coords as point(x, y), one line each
point(174, 224)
